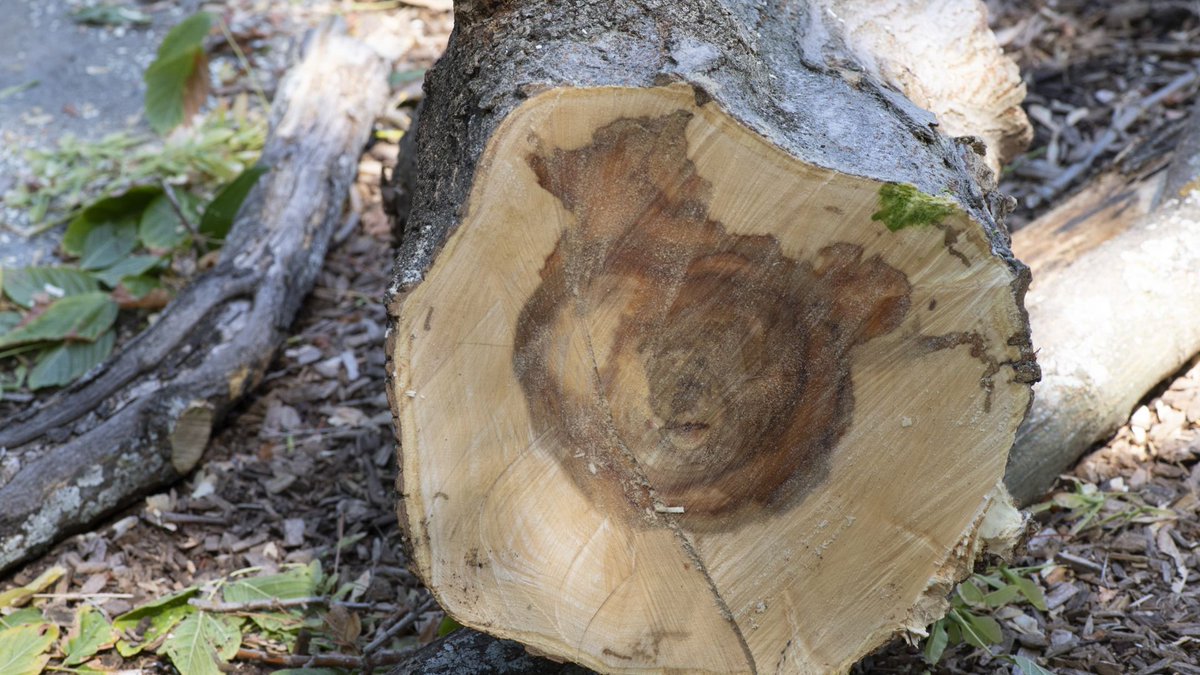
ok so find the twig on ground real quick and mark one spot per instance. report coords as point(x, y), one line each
point(1080, 563)
point(83, 596)
point(192, 519)
point(1121, 121)
point(354, 663)
point(404, 622)
point(278, 603)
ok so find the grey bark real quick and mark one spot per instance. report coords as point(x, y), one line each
point(141, 420)
point(776, 67)
point(468, 652)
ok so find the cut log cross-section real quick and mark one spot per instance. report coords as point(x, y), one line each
point(674, 395)
point(716, 364)
point(658, 338)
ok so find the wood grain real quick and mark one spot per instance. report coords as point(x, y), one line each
point(724, 381)
point(671, 399)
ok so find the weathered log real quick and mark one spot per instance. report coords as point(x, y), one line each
point(1114, 306)
point(142, 419)
point(695, 327)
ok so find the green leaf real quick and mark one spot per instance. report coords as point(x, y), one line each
point(298, 582)
point(978, 631)
point(140, 286)
point(281, 626)
point(22, 617)
point(161, 229)
point(400, 77)
point(970, 594)
point(107, 244)
point(185, 36)
point(953, 632)
point(16, 89)
point(178, 73)
point(449, 625)
point(22, 648)
point(92, 633)
point(218, 217)
point(127, 205)
point(9, 321)
point(62, 365)
point(936, 643)
point(21, 284)
point(1032, 592)
point(1002, 597)
point(1029, 666)
point(110, 15)
point(75, 317)
point(1071, 500)
point(161, 616)
point(132, 266)
point(203, 642)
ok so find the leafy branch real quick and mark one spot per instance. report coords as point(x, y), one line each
point(163, 208)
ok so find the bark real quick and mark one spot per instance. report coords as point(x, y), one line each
point(142, 419)
point(1113, 305)
point(779, 83)
point(941, 55)
point(590, 116)
point(468, 652)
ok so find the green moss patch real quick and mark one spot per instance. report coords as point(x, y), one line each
point(902, 205)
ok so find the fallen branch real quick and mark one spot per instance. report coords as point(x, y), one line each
point(351, 662)
point(395, 629)
point(143, 419)
point(278, 604)
point(1113, 307)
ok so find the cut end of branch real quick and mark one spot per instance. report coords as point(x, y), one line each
point(671, 398)
point(190, 435)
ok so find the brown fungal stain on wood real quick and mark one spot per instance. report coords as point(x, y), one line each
point(979, 351)
point(667, 362)
point(647, 649)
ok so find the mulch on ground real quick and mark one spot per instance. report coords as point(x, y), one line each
point(1119, 573)
point(1103, 79)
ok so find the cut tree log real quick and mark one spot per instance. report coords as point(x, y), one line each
point(143, 419)
point(705, 355)
point(1114, 306)
point(943, 57)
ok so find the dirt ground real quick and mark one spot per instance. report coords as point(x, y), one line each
point(304, 470)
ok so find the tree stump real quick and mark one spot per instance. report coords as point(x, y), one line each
point(705, 355)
